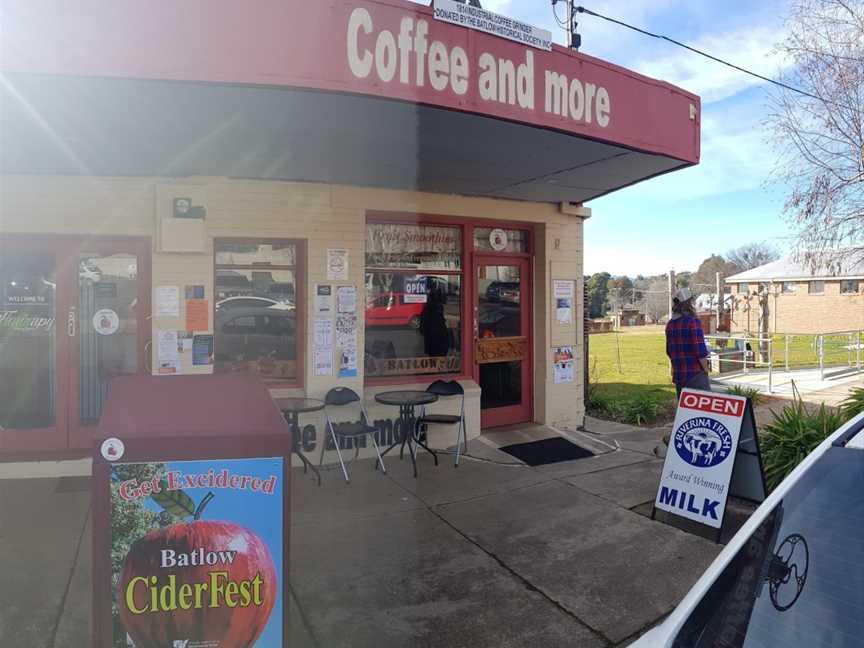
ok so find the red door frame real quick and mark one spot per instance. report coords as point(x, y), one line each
point(67, 438)
point(524, 411)
point(470, 370)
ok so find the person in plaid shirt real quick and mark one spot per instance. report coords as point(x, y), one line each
point(685, 345)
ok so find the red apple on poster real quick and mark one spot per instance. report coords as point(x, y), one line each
point(202, 581)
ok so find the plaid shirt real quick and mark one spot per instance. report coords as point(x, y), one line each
point(685, 345)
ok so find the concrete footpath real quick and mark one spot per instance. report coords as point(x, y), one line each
point(493, 553)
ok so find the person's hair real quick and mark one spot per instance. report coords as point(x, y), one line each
point(684, 308)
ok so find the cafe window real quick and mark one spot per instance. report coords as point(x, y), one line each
point(413, 311)
point(494, 239)
point(849, 286)
point(256, 310)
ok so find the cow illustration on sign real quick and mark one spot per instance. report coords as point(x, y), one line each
point(703, 442)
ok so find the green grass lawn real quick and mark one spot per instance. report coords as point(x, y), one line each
point(629, 362)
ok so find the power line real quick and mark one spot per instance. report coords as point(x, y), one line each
point(581, 9)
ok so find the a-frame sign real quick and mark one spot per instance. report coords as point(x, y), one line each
point(713, 453)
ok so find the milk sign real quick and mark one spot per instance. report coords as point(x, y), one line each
point(698, 469)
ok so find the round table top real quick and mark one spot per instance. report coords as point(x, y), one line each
point(298, 405)
point(406, 397)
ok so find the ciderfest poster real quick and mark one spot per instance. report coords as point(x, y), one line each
point(196, 553)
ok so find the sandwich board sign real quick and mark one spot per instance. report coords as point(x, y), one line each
point(713, 453)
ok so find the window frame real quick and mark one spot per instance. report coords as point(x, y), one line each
point(856, 282)
point(810, 290)
point(789, 287)
point(468, 281)
point(299, 270)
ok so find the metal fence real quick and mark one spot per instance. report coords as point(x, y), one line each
point(834, 353)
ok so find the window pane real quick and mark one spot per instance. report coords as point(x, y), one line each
point(27, 336)
point(256, 322)
point(252, 253)
point(848, 286)
point(107, 326)
point(789, 287)
point(817, 287)
point(412, 324)
point(516, 240)
point(397, 245)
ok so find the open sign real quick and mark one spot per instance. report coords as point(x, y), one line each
point(415, 290)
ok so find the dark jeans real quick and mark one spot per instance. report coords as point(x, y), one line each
point(699, 381)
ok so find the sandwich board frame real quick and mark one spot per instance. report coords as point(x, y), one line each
point(705, 421)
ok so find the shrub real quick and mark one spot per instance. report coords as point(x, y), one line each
point(752, 393)
point(641, 408)
point(854, 405)
point(792, 435)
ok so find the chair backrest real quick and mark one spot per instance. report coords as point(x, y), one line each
point(339, 396)
point(446, 388)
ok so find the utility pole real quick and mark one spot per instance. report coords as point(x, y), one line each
point(671, 290)
point(719, 288)
point(568, 4)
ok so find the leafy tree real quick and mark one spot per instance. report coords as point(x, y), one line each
point(751, 256)
point(704, 279)
point(820, 136)
point(620, 292)
point(596, 289)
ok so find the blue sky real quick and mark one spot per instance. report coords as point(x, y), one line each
point(726, 201)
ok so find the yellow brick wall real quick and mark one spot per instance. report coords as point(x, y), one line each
point(801, 312)
point(326, 217)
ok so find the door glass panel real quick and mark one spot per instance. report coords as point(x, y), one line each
point(499, 315)
point(107, 326)
point(27, 340)
point(499, 297)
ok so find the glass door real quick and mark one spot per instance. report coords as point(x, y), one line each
point(111, 310)
point(502, 339)
point(33, 347)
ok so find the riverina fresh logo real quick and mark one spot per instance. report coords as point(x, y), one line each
point(206, 574)
point(703, 442)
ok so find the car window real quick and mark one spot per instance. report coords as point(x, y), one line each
point(799, 580)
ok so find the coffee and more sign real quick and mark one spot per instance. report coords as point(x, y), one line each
point(413, 57)
point(702, 449)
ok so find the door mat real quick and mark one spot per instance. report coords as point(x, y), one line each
point(547, 451)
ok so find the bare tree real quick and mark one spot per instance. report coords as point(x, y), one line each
point(821, 135)
point(656, 300)
point(750, 256)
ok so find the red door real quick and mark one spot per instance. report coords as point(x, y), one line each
point(73, 313)
point(502, 339)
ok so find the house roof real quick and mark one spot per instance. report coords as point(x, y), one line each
point(788, 269)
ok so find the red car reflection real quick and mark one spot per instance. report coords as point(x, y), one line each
point(390, 309)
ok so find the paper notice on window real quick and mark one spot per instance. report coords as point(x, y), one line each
point(167, 301)
point(562, 358)
point(346, 299)
point(168, 359)
point(337, 265)
point(562, 293)
point(323, 359)
point(323, 299)
point(323, 333)
point(348, 361)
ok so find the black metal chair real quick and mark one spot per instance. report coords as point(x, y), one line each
point(343, 397)
point(444, 389)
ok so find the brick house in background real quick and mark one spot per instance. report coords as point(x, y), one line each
point(799, 300)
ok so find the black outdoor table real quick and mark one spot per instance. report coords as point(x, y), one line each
point(406, 401)
point(291, 410)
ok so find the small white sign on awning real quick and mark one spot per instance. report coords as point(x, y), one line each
point(465, 15)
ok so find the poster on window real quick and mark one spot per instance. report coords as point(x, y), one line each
point(197, 558)
point(562, 363)
point(415, 290)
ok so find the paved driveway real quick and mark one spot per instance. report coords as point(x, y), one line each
point(493, 553)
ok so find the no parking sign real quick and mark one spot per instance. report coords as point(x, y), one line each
point(713, 452)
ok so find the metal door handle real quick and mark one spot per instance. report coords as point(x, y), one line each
point(70, 322)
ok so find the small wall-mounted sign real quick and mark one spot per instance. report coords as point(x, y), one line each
point(498, 239)
point(183, 208)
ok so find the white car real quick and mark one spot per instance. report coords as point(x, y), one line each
point(793, 575)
